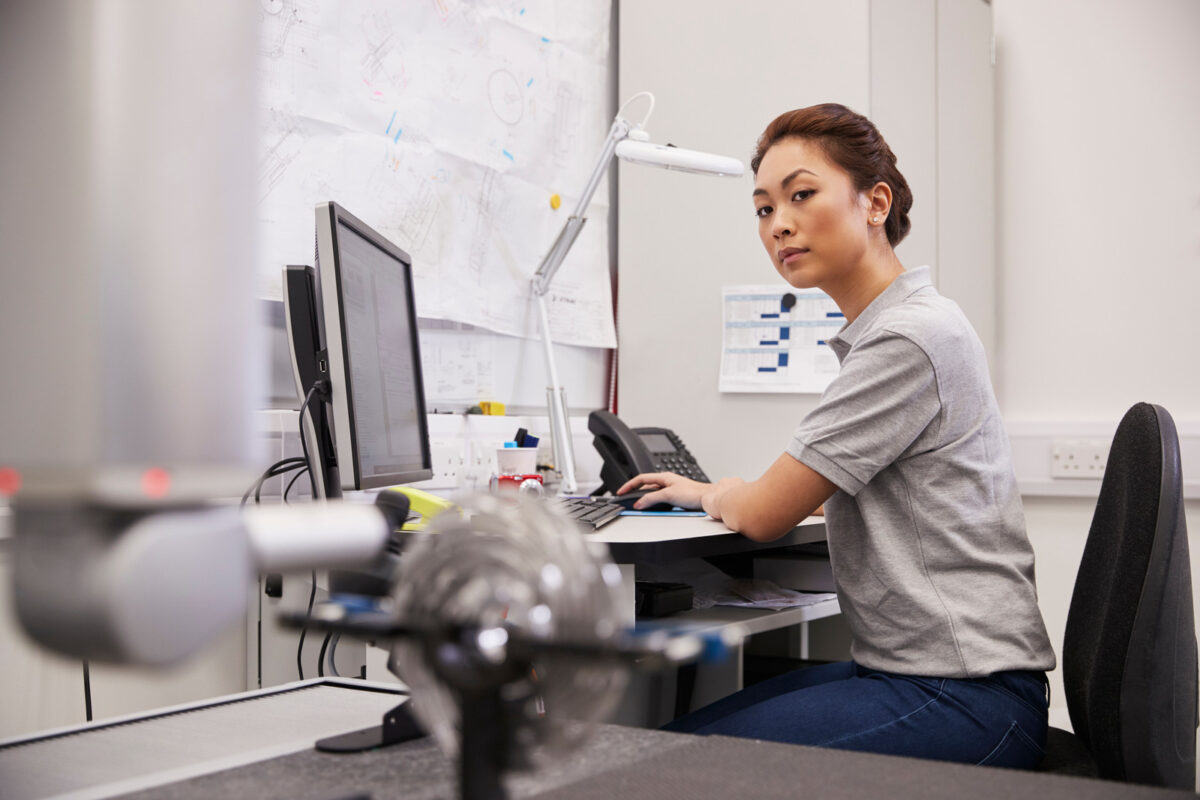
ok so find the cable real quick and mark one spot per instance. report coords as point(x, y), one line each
point(649, 111)
point(304, 630)
point(87, 692)
point(282, 471)
point(311, 595)
point(293, 481)
point(278, 468)
point(333, 655)
point(321, 655)
point(319, 386)
point(322, 387)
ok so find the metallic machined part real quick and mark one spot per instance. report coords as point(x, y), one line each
point(510, 563)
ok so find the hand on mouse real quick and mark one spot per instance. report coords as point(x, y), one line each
point(666, 487)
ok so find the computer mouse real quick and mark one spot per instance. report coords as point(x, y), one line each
point(629, 498)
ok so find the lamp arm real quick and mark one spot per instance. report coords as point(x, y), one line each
point(556, 408)
point(556, 401)
point(574, 224)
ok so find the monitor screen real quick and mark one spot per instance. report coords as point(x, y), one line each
point(377, 398)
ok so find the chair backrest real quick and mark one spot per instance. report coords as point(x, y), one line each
point(1129, 653)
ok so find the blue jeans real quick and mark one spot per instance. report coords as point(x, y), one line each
point(999, 720)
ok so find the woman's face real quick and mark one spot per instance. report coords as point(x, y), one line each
point(811, 219)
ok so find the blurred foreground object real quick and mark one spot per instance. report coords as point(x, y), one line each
point(513, 568)
point(130, 356)
point(506, 624)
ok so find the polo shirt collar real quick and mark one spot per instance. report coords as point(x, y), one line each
point(905, 284)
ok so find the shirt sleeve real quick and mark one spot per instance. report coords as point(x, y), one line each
point(882, 400)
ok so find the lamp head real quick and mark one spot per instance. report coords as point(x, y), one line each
point(668, 156)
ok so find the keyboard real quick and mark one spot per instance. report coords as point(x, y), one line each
point(589, 512)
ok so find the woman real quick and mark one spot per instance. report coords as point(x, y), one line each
point(907, 453)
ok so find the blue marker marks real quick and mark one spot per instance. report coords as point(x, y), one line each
point(529, 83)
point(544, 39)
point(770, 316)
point(785, 333)
point(783, 359)
point(767, 369)
point(834, 314)
point(769, 342)
point(392, 120)
point(820, 341)
point(396, 138)
point(521, 13)
point(508, 155)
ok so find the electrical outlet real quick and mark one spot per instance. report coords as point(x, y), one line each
point(1078, 458)
point(447, 457)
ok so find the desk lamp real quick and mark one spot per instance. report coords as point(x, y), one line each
point(632, 143)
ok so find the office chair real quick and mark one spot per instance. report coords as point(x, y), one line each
point(1129, 652)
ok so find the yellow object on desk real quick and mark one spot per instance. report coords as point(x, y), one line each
point(492, 408)
point(425, 505)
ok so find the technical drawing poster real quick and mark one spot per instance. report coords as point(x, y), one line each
point(775, 337)
point(447, 126)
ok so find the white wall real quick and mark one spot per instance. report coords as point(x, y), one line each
point(1098, 206)
point(1098, 235)
point(718, 79)
point(920, 68)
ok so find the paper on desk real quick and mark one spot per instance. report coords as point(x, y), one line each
point(758, 593)
point(712, 587)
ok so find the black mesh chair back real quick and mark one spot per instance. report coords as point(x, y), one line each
point(1129, 652)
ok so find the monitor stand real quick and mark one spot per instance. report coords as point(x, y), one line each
point(398, 726)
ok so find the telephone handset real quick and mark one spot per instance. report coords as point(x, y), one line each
point(628, 451)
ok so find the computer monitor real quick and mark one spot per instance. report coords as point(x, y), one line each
point(352, 322)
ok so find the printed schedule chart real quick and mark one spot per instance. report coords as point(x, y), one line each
point(774, 339)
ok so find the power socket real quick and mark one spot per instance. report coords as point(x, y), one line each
point(447, 458)
point(1078, 458)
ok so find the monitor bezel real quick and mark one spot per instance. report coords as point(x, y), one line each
point(328, 217)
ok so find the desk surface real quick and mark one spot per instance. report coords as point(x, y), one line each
point(667, 538)
point(616, 762)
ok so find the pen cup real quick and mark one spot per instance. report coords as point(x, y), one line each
point(516, 460)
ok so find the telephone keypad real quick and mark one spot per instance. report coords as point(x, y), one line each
point(680, 462)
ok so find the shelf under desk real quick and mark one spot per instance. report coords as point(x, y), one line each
point(750, 620)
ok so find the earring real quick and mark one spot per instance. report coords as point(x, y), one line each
point(874, 219)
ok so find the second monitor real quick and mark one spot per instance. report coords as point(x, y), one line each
point(371, 430)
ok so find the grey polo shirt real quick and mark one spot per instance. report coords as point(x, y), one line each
point(933, 569)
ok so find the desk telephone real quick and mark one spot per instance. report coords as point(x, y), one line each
point(628, 451)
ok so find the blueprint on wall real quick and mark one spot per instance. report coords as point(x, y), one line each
point(447, 126)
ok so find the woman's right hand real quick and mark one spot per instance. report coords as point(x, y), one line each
point(674, 489)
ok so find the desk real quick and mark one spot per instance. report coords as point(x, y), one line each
point(664, 539)
point(616, 762)
point(658, 539)
point(631, 540)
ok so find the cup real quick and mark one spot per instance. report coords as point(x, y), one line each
point(516, 460)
